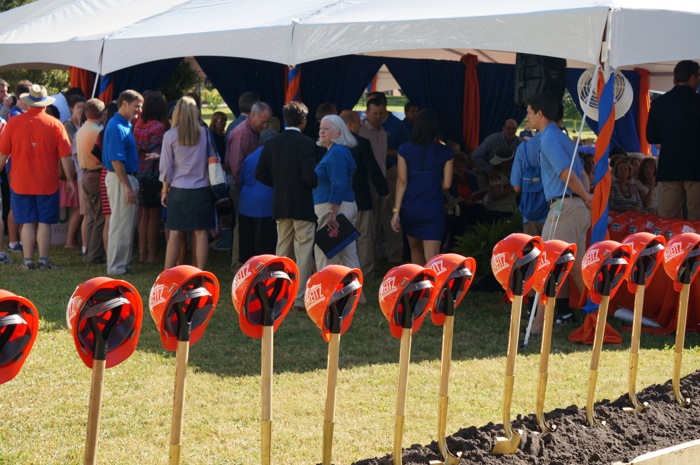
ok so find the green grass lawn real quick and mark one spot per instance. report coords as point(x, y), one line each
point(44, 409)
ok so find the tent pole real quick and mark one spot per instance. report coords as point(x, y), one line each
point(99, 72)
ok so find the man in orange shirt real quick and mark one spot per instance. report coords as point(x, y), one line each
point(37, 142)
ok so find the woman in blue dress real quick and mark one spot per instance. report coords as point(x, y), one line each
point(425, 169)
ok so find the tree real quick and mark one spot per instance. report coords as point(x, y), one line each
point(184, 79)
point(10, 4)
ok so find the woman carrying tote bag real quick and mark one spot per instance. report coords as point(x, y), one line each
point(184, 171)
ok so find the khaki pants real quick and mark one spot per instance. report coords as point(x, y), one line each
point(675, 195)
point(365, 243)
point(392, 241)
point(122, 224)
point(295, 239)
point(574, 221)
point(347, 256)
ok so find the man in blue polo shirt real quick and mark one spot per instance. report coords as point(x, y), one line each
point(569, 214)
point(120, 157)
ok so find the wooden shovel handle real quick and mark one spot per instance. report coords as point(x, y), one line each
point(595, 358)
point(94, 410)
point(329, 412)
point(266, 381)
point(332, 377)
point(634, 347)
point(183, 350)
point(447, 338)
point(545, 350)
point(680, 342)
point(404, 362)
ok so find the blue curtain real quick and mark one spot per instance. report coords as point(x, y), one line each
point(234, 76)
point(146, 76)
point(625, 132)
point(339, 80)
point(497, 92)
point(436, 84)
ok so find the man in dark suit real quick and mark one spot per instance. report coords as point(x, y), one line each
point(674, 122)
point(287, 165)
point(367, 170)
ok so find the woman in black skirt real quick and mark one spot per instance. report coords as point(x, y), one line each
point(184, 171)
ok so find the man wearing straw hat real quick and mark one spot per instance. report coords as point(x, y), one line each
point(37, 142)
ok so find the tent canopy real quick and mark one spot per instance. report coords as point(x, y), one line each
point(108, 35)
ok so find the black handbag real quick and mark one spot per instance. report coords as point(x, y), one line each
point(331, 243)
point(150, 187)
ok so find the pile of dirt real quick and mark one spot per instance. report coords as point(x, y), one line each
point(623, 437)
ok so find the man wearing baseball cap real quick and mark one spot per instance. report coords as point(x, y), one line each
point(37, 143)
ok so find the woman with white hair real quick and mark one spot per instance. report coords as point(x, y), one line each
point(333, 195)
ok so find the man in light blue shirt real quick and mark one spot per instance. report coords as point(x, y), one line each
point(526, 179)
point(569, 214)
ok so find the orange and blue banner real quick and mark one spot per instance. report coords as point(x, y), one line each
point(293, 90)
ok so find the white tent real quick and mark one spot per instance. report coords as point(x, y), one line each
point(107, 35)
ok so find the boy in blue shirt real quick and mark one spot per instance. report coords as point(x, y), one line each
point(569, 214)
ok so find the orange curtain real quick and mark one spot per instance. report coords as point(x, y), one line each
point(83, 79)
point(471, 107)
point(643, 111)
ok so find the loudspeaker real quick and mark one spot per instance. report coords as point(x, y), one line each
point(535, 74)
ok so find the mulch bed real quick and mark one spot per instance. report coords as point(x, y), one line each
point(623, 437)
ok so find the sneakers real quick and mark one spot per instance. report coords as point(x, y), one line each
point(563, 314)
point(15, 247)
point(4, 259)
point(565, 317)
point(46, 265)
point(27, 266)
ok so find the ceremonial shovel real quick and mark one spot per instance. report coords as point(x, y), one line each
point(509, 443)
point(184, 320)
point(604, 263)
point(681, 262)
point(98, 370)
point(454, 276)
point(181, 303)
point(404, 361)
point(680, 340)
point(514, 261)
point(646, 248)
point(263, 291)
point(266, 375)
point(405, 296)
point(555, 264)
point(447, 335)
point(330, 298)
point(104, 316)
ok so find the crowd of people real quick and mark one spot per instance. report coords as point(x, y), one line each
point(135, 167)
